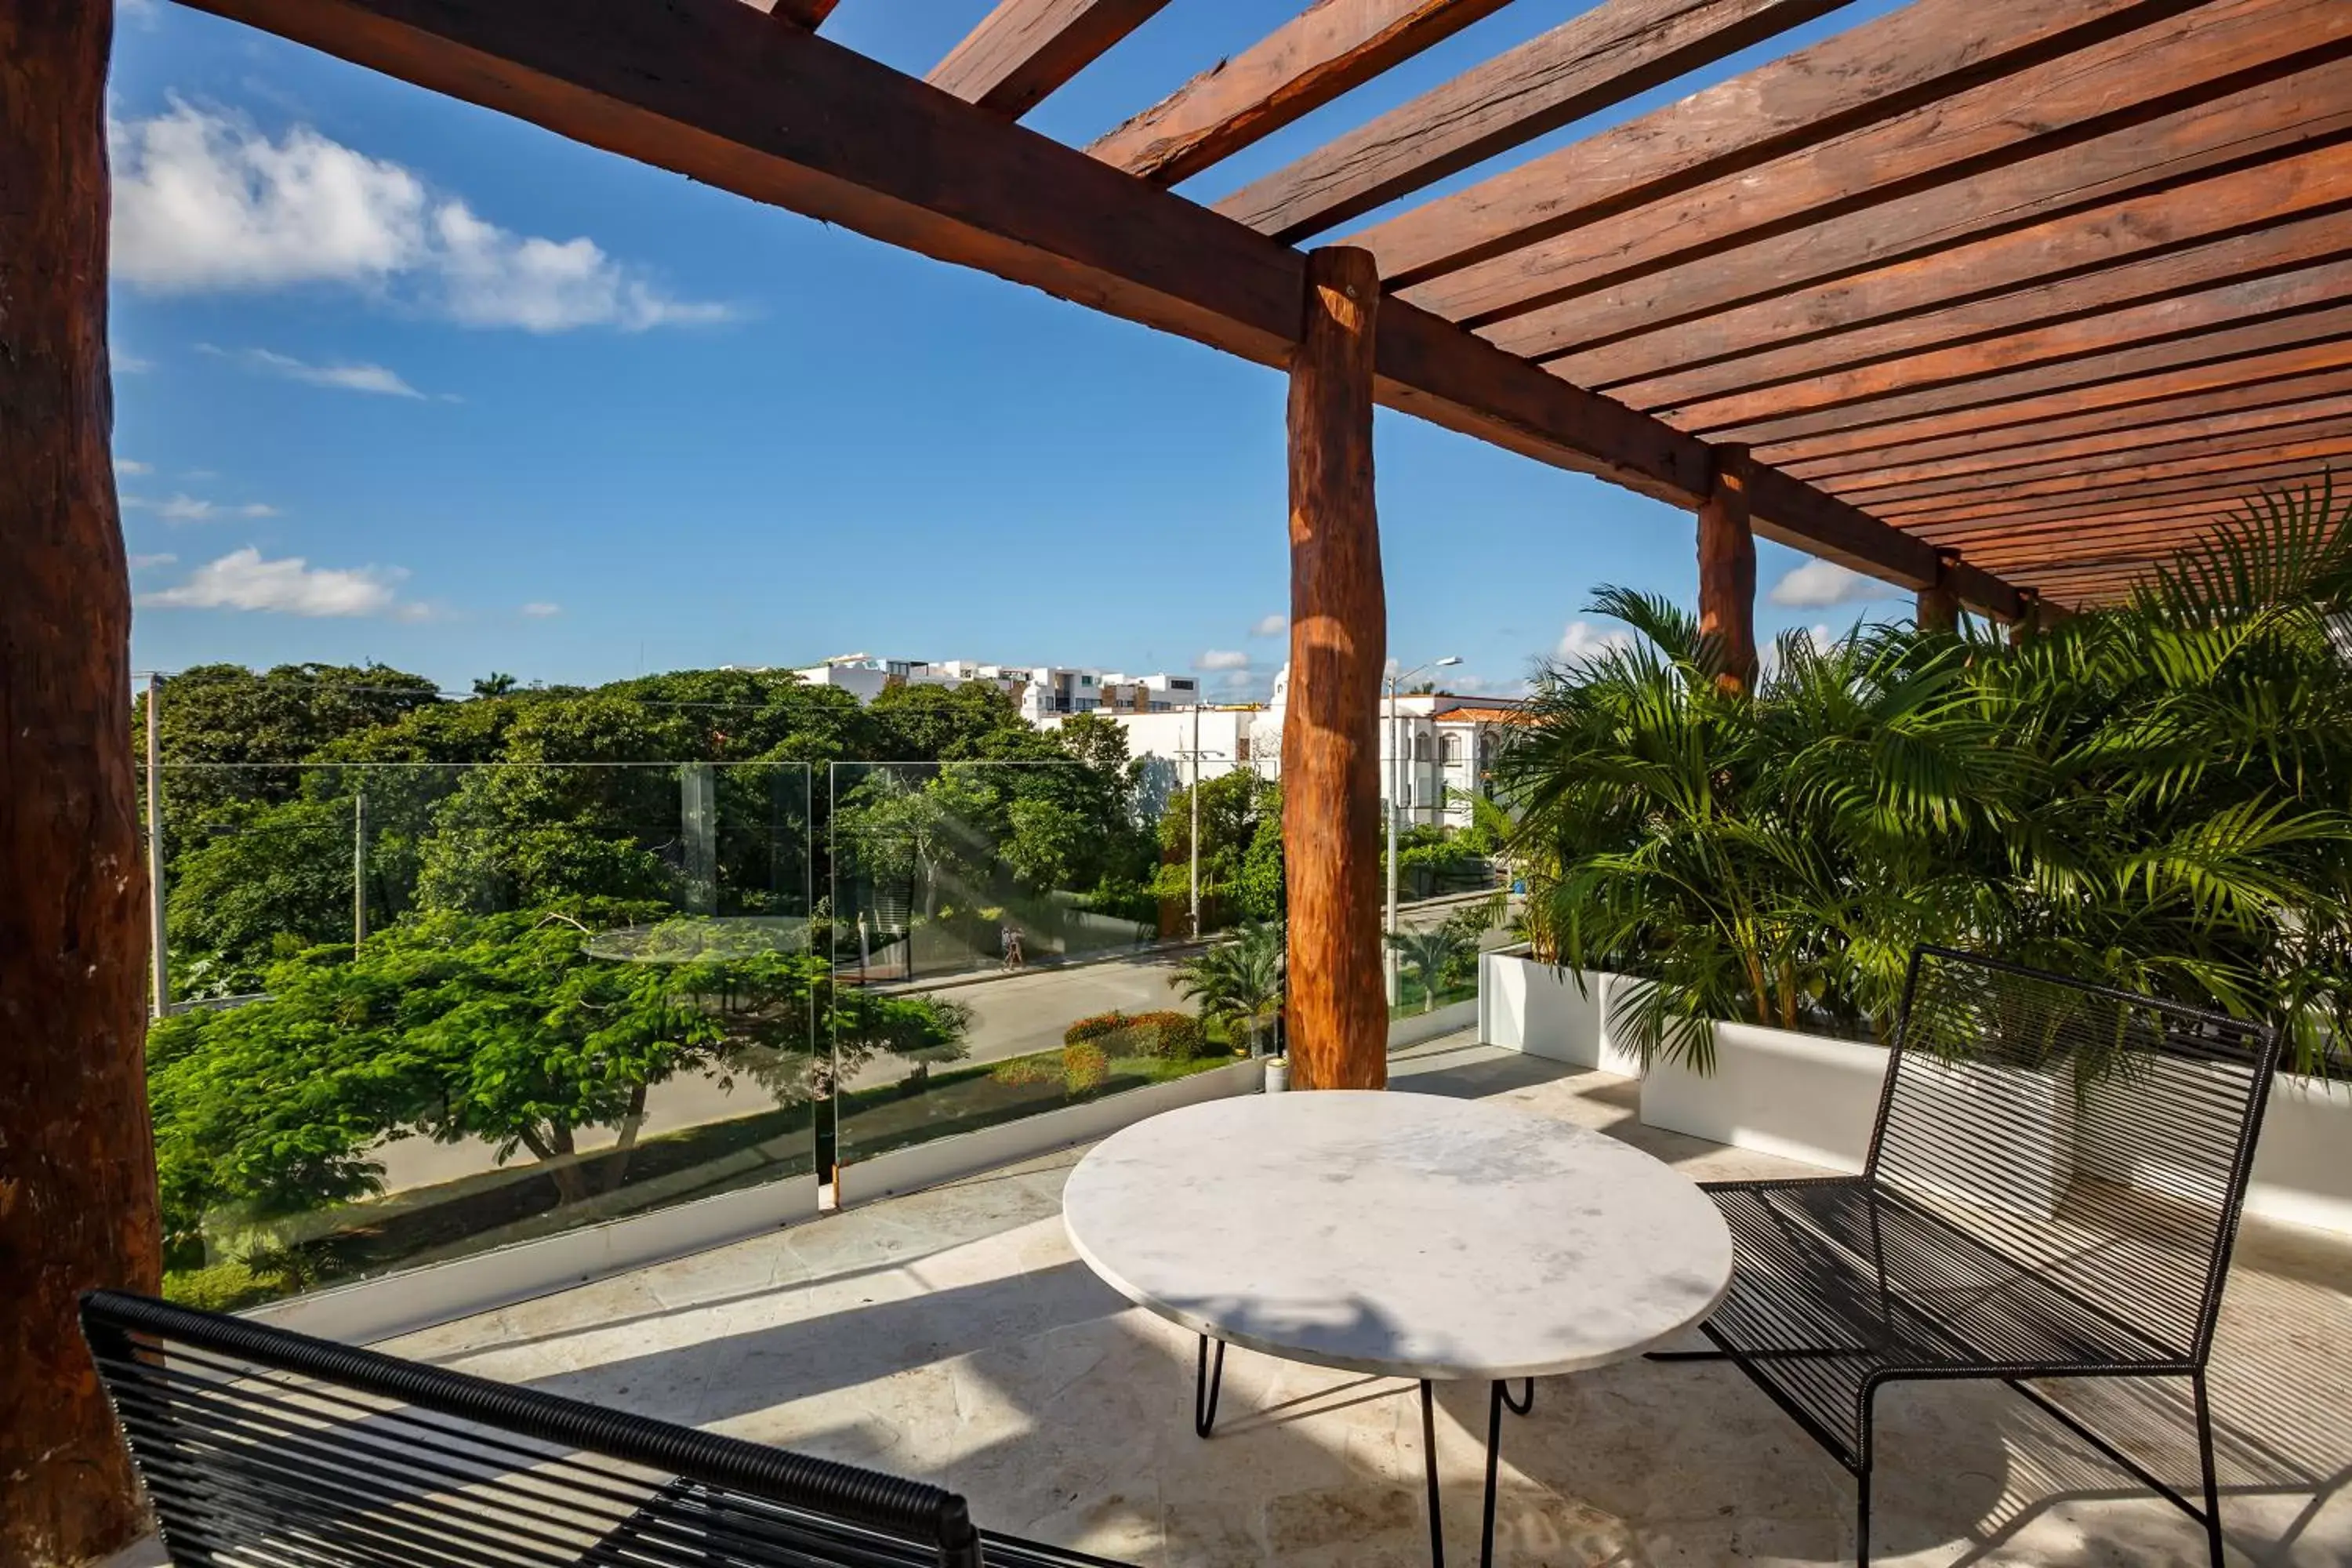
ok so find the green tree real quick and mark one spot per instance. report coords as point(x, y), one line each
point(1437, 956)
point(1237, 982)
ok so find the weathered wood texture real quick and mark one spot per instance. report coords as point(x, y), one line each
point(1921, 53)
point(1999, 452)
point(2084, 470)
point(1913, 185)
point(2208, 316)
point(77, 1206)
point(710, 89)
point(1610, 53)
point(1337, 1008)
point(1938, 608)
point(2125, 374)
point(1332, 47)
point(1726, 572)
point(1023, 49)
point(2273, 219)
point(2297, 371)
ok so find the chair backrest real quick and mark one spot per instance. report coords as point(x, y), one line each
point(2097, 1140)
point(258, 1445)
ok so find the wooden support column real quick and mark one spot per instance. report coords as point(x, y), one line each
point(1338, 1010)
point(76, 1164)
point(1726, 570)
point(2029, 616)
point(1940, 602)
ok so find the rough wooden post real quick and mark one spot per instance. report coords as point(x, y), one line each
point(1726, 570)
point(1337, 1013)
point(1939, 604)
point(76, 1165)
point(2029, 616)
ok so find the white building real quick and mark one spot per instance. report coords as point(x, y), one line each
point(1042, 691)
point(1436, 750)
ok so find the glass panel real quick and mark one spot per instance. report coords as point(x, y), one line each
point(1009, 938)
point(421, 1011)
point(1446, 890)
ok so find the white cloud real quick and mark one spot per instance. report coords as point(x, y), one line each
point(1581, 640)
point(241, 580)
point(1270, 626)
point(1222, 659)
point(374, 378)
point(183, 508)
point(140, 563)
point(122, 362)
point(1817, 584)
point(131, 466)
point(206, 202)
point(1239, 681)
point(541, 609)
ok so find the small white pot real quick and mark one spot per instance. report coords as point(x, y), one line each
point(1277, 1074)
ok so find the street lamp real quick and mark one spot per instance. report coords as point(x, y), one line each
point(1389, 951)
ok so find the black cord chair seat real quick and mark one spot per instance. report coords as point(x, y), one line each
point(258, 1445)
point(2052, 1190)
point(1806, 1317)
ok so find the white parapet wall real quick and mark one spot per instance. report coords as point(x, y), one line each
point(1808, 1097)
point(1548, 1012)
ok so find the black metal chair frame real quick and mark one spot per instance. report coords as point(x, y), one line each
point(230, 1461)
point(2259, 1053)
point(1208, 1381)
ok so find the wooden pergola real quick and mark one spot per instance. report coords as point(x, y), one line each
point(1999, 302)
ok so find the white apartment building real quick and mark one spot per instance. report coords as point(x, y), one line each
point(1436, 749)
point(1043, 691)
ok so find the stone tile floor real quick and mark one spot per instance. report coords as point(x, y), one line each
point(953, 1336)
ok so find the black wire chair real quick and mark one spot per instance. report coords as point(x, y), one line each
point(2052, 1190)
point(258, 1445)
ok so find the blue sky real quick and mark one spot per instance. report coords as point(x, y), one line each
point(400, 379)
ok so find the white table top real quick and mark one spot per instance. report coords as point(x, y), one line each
point(1401, 1234)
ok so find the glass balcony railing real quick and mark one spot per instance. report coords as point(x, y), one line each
point(419, 1012)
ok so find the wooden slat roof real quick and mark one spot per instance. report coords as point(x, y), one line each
point(2049, 285)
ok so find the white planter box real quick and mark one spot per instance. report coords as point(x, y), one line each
point(1798, 1096)
point(1539, 1009)
point(2303, 1166)
point(1806, 1097)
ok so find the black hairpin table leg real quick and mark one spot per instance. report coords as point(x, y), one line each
point(1206, 1385)
point(1497, 1401)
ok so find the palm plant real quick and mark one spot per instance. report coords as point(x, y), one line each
point(1238, 981)
point(1435, 954)
point(2150, 795)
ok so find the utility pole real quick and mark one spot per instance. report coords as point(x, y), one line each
point(1196, 794)
point(1387, 950)
point(359, 868)
point(159, 946)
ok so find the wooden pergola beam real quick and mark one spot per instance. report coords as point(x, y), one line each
point(1928, 50)
point(1024, 49)
point(809, 14)
point(702, 87)
point(2111, 497)
point(2297, 371)
point(2130, 372)
point(1332, 48)
point(2002, 451)
point(1608, 53)
point(1939, 178)
point(2271, 219)
point(2206, 318)
point(1335, 1005)
point(1988, 500)
point(2087, 467)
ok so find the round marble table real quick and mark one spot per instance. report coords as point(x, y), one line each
point(1401, 1235)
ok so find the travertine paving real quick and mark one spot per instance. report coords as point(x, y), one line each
point(954, 1336)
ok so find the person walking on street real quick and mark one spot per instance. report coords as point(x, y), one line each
point(1011, 939)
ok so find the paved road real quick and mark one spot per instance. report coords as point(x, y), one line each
point(1014, 1015)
